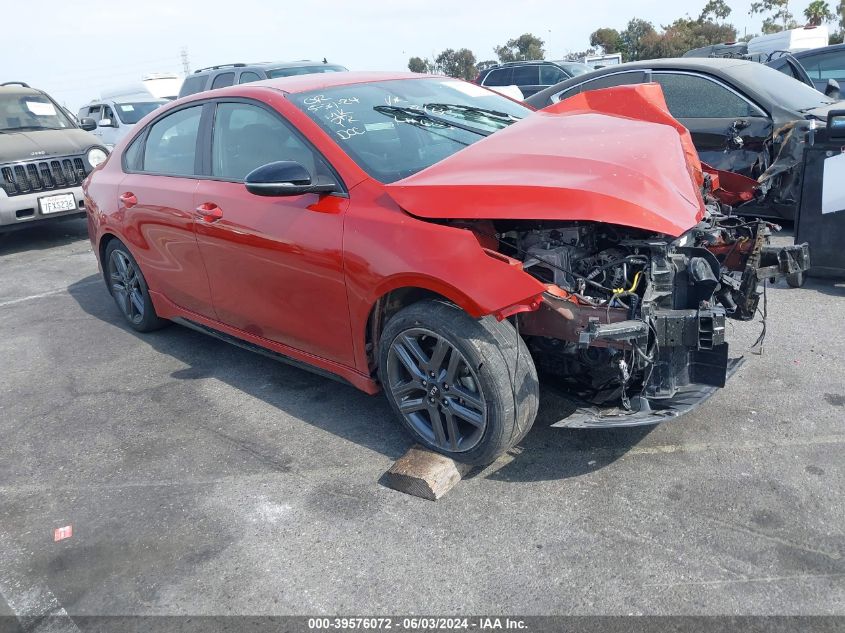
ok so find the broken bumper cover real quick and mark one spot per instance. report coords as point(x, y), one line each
point(643, 410)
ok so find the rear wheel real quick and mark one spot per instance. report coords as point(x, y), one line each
point(463, 387)
point(129, 289)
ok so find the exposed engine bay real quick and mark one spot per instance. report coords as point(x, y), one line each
point(631, 319)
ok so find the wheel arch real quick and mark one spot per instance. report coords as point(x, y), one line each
point(105, 239)
point(400, 295)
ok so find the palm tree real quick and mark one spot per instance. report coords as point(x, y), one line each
point(818, 12)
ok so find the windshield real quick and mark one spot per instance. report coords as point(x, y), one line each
point(782, 89)
point(393, 129)
point(131, 113)
point(30, 112)
point(304, 70)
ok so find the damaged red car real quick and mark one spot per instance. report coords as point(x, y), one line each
point(429, 238)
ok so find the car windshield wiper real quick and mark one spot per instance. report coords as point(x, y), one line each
point(474, 112)
point(425, 119)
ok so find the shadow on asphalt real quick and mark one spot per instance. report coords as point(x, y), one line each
point(340, 409)
point(832, 287)
point(43, 236)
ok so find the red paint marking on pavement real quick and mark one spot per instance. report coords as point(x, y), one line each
point(60, 534)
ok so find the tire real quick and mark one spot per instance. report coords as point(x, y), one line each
point(796, 280)
point(122, 272)
point(483, 412)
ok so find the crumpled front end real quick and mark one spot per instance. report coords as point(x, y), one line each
point(631, 325)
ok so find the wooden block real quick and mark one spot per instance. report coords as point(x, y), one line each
point(423, 473)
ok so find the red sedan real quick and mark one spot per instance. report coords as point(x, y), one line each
point(433, 239)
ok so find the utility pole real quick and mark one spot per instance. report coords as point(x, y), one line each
point(186, 64)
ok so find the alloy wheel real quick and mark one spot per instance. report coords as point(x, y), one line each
point(126, 286)
point(436, 390)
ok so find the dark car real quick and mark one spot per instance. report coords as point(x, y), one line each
point(44, 157)
point(530, 76)
point(821, 64)
point(784, 61)
point(224, 75)
point(732, 107)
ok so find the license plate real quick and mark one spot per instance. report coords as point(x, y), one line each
point(57, 203)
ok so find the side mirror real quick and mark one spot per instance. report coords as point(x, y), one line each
point(88, 124)
point(283, 178)
point(106, 123)
point(832, 89)
point(836, 124)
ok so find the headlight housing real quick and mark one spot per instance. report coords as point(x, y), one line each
point(96, 156)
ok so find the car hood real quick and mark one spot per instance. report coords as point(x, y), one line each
point(568, 164)
point(36, 144)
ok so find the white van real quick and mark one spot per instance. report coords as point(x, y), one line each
point(800, 39)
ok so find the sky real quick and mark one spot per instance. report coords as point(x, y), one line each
point(105, 47)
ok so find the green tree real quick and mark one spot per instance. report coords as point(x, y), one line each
point(779, 18)
point(608, 39)
point(526, 46)
point(715, 10)
point(420, 65)
point(638, 40)
point(818, 12)
point(460, 63)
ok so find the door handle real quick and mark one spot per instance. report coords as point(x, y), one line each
point(209, 212)
point(128, 199)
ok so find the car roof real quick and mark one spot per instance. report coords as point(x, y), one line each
point(243, 66)
point(833, 48)
point(134, 98)
point(691, 63)
point(318, 81)
point(19, 90)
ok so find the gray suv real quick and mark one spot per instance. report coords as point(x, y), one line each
point(44, 157)
point(230, 74)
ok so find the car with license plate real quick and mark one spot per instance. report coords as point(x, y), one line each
point(434, 240)
point(744, 117)
point(44, 156)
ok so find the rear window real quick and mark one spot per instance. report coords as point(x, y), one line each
point(192, 85)
point(304, 70)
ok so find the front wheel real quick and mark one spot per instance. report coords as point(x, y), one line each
point(129, 289)
point(464, 387)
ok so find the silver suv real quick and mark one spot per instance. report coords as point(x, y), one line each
point(230, 74)
point(44, 156)
point(115, 117)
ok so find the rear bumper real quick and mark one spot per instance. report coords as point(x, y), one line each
point(21, 211)
point(644, 411)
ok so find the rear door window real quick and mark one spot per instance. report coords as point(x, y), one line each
point(526, 75)
point(223, 80)
point(248, 77)
point(696, 97)
point(499, 77)
point(171, 145)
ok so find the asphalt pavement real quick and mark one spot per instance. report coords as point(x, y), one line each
point(200, 478)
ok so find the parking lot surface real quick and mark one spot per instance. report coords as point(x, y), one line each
point(200, 478)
